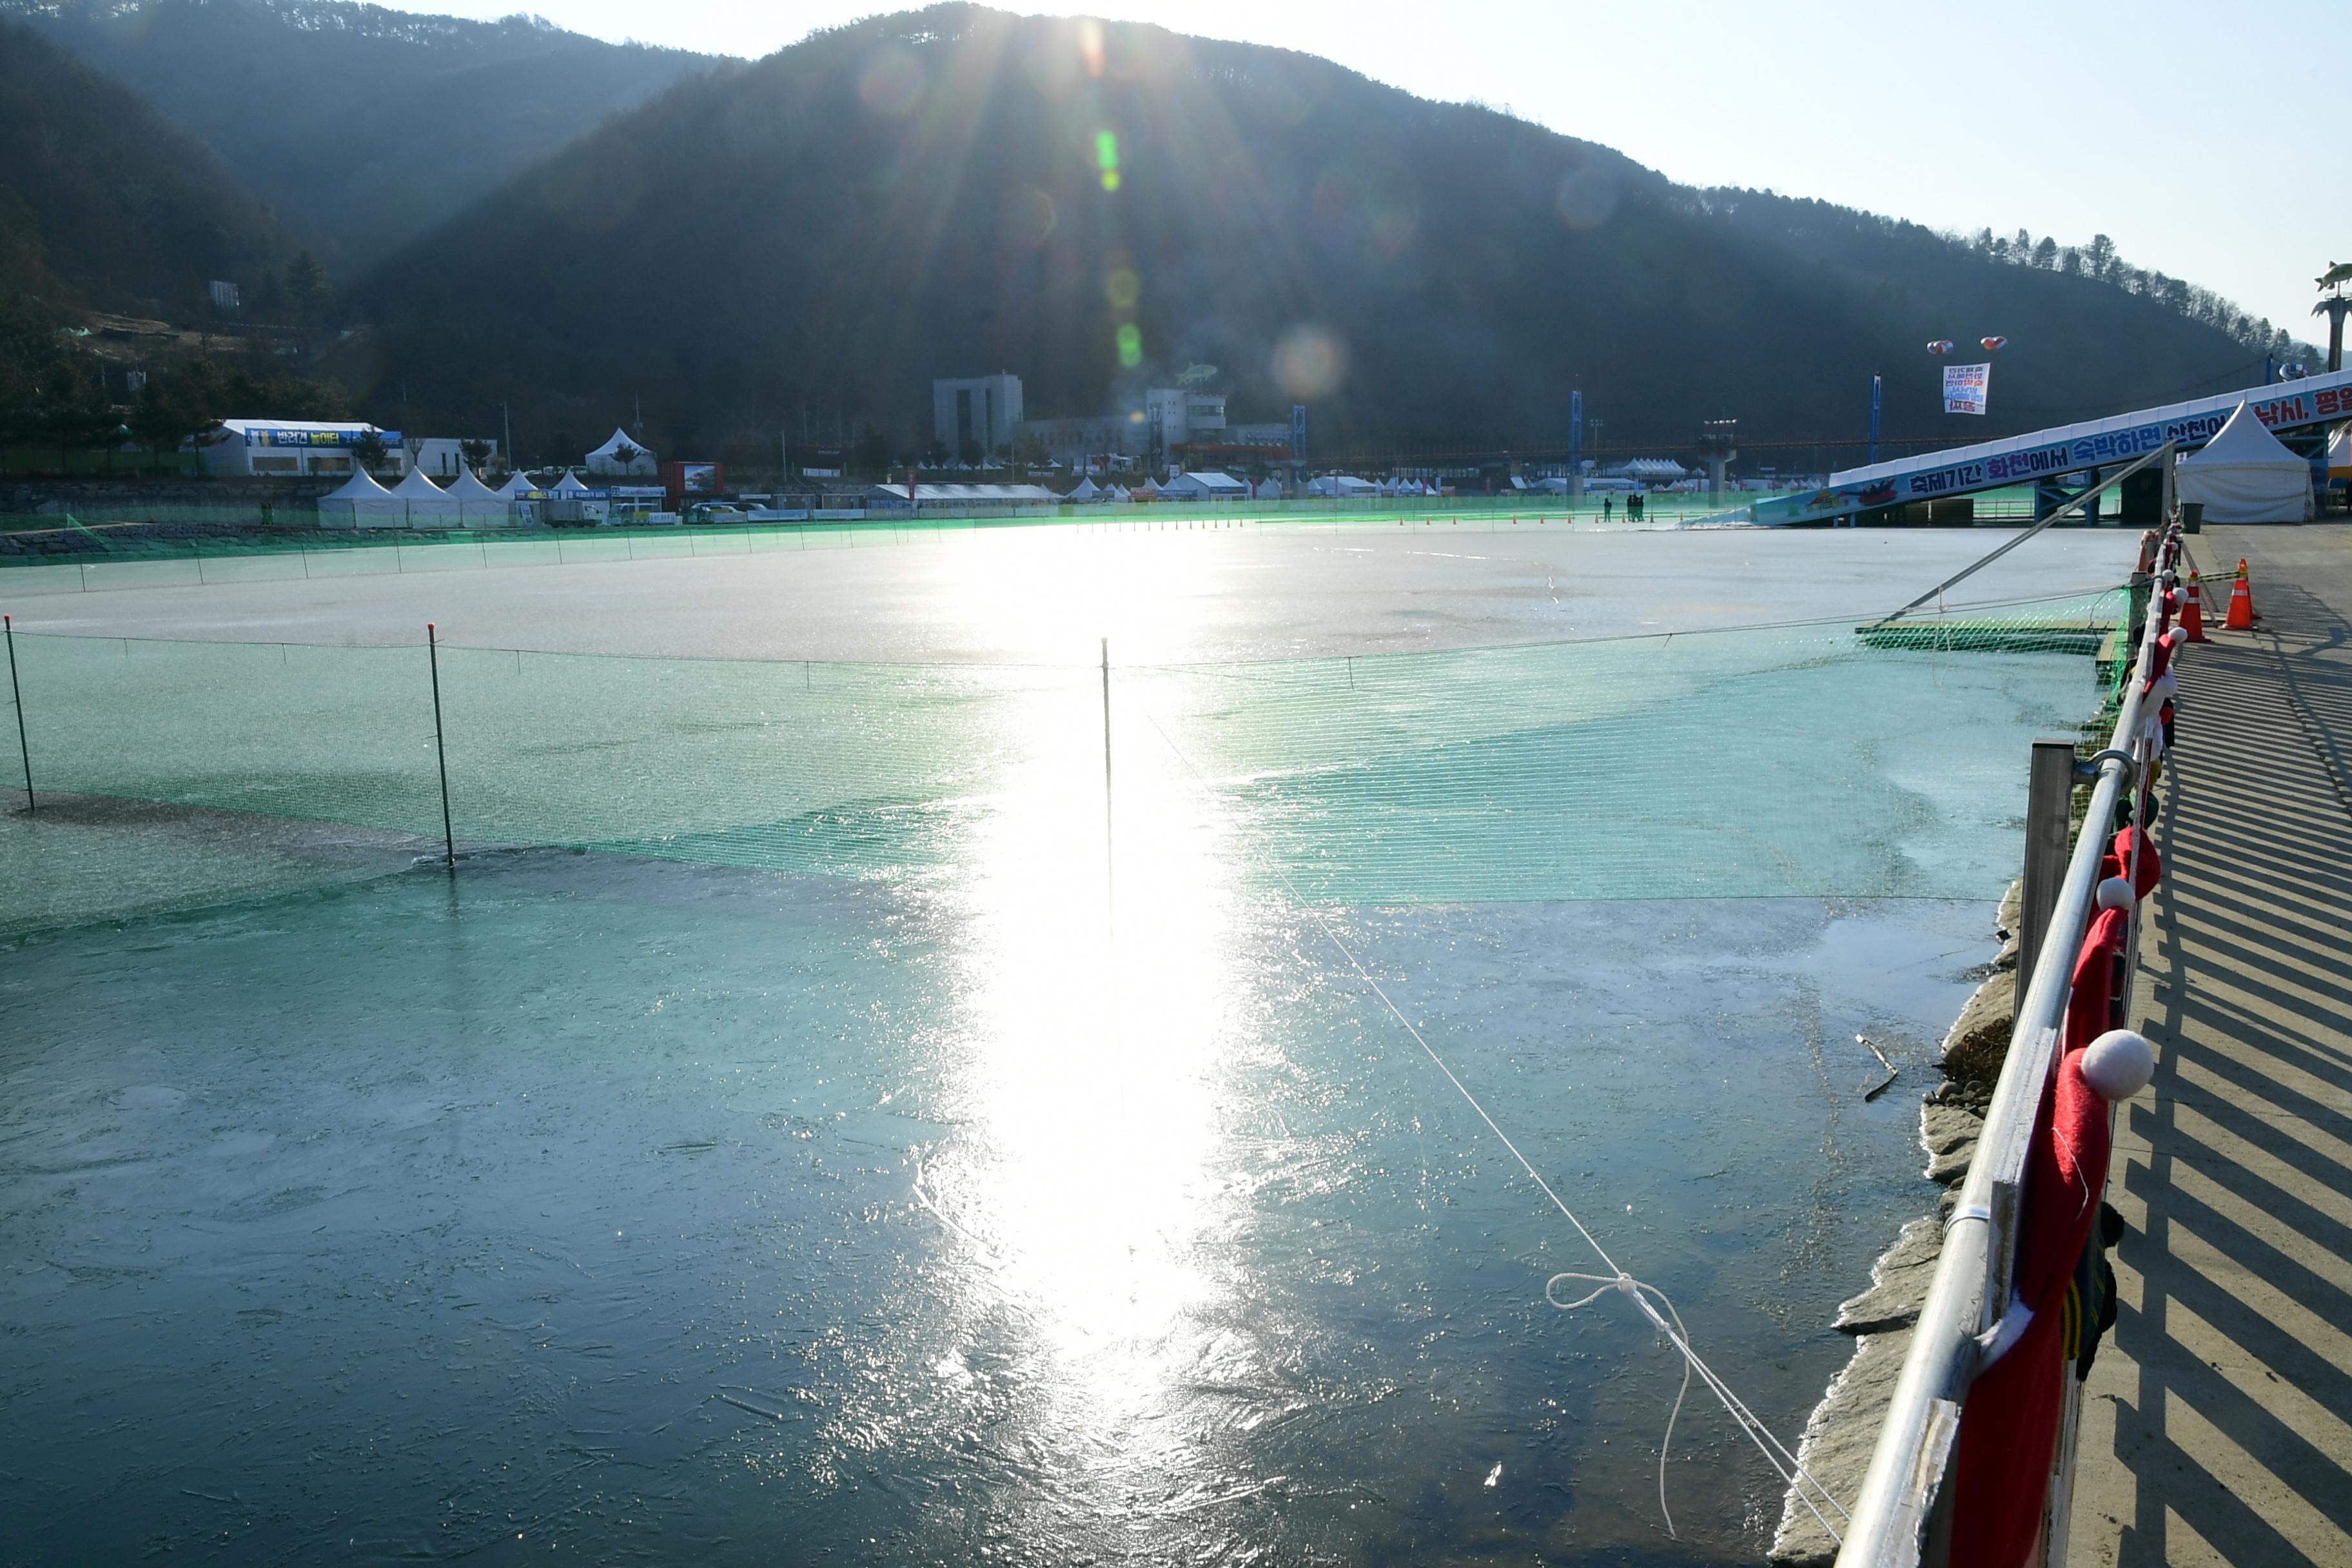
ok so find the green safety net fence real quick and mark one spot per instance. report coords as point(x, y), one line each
point(90, 558)
point(1815, 759)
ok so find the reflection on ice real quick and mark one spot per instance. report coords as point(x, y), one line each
point(1070, 1200)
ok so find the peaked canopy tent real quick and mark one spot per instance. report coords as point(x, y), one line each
point(2246, 474)
point(517, 486)
point(1208, 486)
point(360, 502)
point(478, 506)
point(568, 488)
point(1086, 490)
point(428, 505)
point(622, 455)
point(1651, 470)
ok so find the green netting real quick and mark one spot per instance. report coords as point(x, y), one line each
point(100, 556)
point(1798, 760)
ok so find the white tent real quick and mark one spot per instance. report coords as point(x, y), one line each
point(607, 459)
point(360, 502)
point(1340, 485)
point(517, 486)
point(568, 488)
point(1209, 486)
point(1087, 491)
point(428, 505)
point(478, 506)
point(2245, 475)
point(1651, 470)
point(1117, 493)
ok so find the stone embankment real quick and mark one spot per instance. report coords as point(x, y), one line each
point(1844, 1427)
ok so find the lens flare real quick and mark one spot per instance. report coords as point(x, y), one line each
point(1587, 197)
point(1106, 158)
point(1027, 217)
point(892, 84)
point(1311, 361)
point(1130, 346)
point(1123, 288)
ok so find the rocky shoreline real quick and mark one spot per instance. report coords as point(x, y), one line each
point(1839, 1436)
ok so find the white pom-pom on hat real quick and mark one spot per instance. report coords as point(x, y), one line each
point(2116, 893)
point(2118, 1064)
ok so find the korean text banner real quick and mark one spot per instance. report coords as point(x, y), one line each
point(1965, 386)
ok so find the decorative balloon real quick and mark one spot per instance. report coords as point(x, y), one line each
point(1941, 346)
point(1990, 345)
point(2294, 370)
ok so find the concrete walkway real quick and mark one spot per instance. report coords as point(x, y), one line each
point(2217, 1425)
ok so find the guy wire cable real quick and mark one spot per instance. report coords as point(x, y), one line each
point(1776, 1453)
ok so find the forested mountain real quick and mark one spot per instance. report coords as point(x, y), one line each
point(957, 191)
point(102, 204)
point(361, 126)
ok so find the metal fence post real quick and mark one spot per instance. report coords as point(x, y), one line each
point(17, 694)
point(2049, 811)
point(440, 746)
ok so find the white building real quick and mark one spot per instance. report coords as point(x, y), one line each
point(290, 449)
point(1180, 416)
point(974, 418)
point(443, 457)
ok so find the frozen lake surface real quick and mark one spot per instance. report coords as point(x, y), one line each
point(651, 1212)
point(862, 1145)
point(1046, 594)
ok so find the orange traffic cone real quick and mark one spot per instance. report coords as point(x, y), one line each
point(2242, 604)
point(2192, 612)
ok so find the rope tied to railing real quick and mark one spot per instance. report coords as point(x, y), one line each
point(1776, 1453)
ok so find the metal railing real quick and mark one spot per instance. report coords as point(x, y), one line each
point(1894, 1522)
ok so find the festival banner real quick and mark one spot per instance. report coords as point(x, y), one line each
point(1965, 386)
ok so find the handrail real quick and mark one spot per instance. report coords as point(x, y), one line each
point(1890, 1512)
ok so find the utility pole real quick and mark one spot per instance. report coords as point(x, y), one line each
point(1874, 387)
point(1576, 446)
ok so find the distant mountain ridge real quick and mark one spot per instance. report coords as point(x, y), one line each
point(1092, 205)
point(361, 126)
point(102, 204)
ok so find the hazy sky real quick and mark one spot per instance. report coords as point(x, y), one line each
point(2190, 133)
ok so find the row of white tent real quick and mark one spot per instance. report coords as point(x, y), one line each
point(1220, 487)
point(1347, 486)
point(360, 502)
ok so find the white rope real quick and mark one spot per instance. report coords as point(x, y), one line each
point(1776, 1453)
